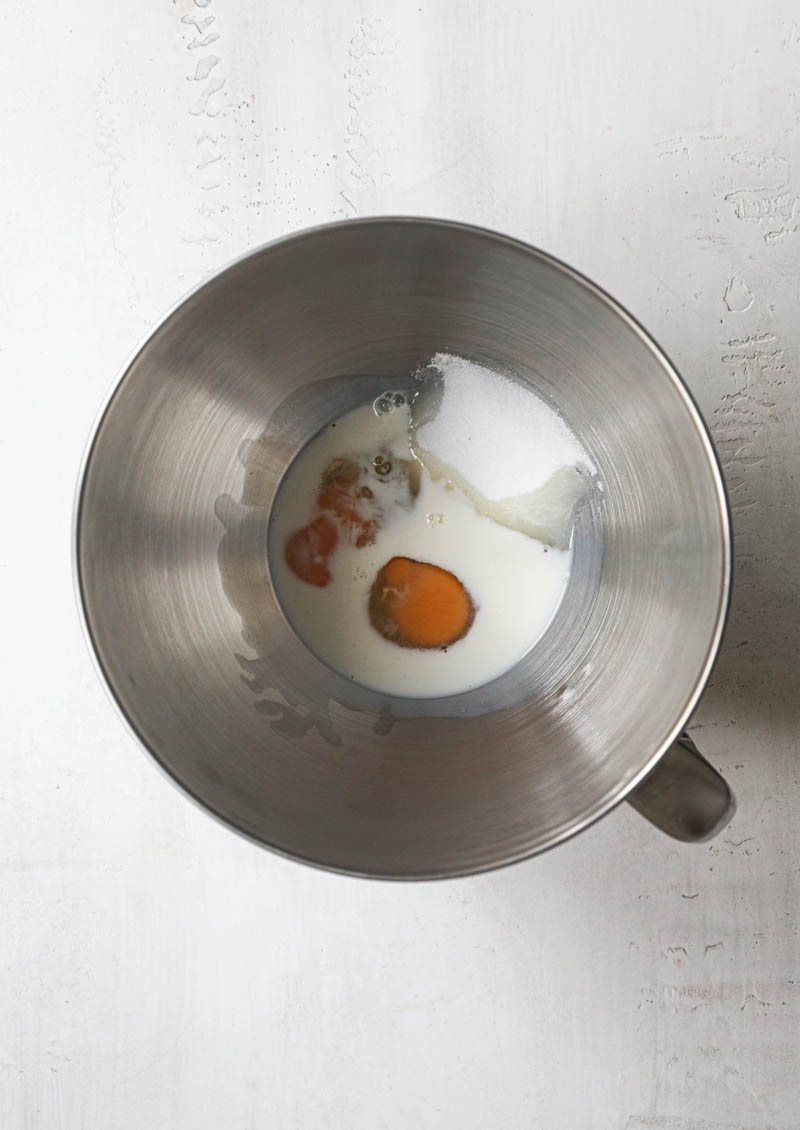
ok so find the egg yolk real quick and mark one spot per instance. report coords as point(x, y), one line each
point(416, 604)
point(308, 550)
point(340, 504)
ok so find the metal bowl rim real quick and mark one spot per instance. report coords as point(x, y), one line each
point(607, 803)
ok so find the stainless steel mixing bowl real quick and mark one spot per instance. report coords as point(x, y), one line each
point(174, 582)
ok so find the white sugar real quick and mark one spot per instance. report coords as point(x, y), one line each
point(497, 434)
point(502, 446)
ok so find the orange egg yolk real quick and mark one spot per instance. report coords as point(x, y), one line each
point(415, 604)
point(340, 503)
point(308, 550)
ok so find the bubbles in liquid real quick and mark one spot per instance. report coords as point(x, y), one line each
point(387, 402)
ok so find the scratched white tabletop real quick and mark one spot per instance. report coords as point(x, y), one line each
point(159, 972)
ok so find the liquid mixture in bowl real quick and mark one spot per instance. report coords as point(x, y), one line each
point(421, 545)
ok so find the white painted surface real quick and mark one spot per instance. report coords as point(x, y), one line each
point(158, 972)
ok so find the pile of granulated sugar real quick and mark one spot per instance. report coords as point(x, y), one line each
point(502, 438)
point(502, 446)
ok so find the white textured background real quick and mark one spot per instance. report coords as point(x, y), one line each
point(158, 973)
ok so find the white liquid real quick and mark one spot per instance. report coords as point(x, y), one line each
point(515, 582)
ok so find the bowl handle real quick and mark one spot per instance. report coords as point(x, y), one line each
point(684, 796)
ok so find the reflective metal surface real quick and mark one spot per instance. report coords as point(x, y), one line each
point(171, 534)
point(684, 796)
